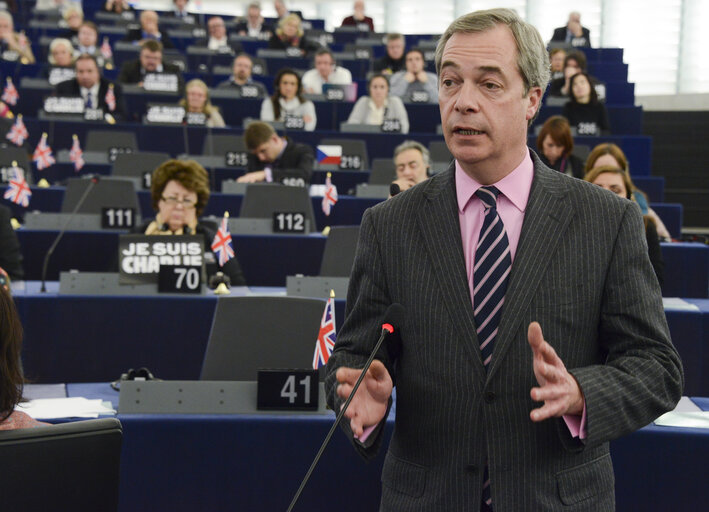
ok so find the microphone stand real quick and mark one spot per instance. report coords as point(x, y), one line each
point(83, 197)
point(385, 331)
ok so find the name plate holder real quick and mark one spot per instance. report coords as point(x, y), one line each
point(199, 397)
point(104, 283)
point(316, 286)
point(372, 191)
point(56, 221)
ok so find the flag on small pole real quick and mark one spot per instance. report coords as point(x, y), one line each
point(327, 335)
point(106, 51)
point(76, 155)
point(330, 197)
point(18, 133)
point(18, 191)
point(42, 156)
point(110, 98)
point(9, 93)
point(222, 246)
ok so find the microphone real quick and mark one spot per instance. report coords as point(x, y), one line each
point(92, 182)
point(393, 318)
point(394, 189)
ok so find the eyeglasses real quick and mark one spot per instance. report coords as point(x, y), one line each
point(174, 201)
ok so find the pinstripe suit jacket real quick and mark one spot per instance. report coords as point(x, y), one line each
point(582, 271)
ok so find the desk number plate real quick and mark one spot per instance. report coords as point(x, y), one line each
point(289, 222)
point(180, 279)
point(287, 390)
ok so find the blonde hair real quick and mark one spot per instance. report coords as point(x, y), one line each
point(288, 19)
point(208, 109)
point(59, 41)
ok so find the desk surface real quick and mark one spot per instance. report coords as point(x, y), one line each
point(255, 462)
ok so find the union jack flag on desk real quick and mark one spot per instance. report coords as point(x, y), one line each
point(43, 154)
point(221, 246)
point(330, 197)
point(18, 133)
point(327, 335)
point(18, 191)
point(10, 94)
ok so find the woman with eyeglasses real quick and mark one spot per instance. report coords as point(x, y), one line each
point(180, 192)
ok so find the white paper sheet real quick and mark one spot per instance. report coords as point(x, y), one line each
point(76, 407)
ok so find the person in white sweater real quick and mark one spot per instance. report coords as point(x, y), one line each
point(380, 106)
point(288, 101)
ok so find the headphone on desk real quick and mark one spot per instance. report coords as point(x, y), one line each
point(140, 374)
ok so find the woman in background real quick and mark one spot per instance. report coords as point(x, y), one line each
point(608, 153)
point(379, 106)
point(618, 181)
point(180, 192)
point(290, 34)
point(555, 144)
point(11, 378)
point(583, 110)
point(196, 100)
point(288, 100)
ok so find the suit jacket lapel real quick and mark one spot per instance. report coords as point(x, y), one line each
point(546, 218)
point(438, 220)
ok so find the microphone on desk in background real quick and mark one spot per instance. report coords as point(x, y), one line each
point(393, 317)
point(93, 179)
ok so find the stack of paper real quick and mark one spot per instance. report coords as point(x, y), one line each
point(77, 407)
point(686, 414)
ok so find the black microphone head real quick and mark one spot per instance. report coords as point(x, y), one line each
point(394, 189)
point(394, 316)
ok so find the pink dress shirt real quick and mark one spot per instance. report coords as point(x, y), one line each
point(511, 204)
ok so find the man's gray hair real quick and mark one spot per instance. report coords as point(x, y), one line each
point(532, 56)
point(412, 144)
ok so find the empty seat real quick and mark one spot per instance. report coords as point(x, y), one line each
point(249, 333)
point(354, 152)
point(138, 163)
point(263, 200)
point(383, 171)
point(106, 193)
point(104, 140)
point(338, 256)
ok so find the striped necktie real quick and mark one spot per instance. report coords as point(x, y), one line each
point(492, 268)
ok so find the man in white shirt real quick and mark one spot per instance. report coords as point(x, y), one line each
point(325, 72)
point(217, 33)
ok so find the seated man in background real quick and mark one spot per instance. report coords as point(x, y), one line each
point(393, 61)
point(241, 77)
point(253, 24)
point(556, 58)
point(573, 33)
point(411, 159)
point(325, 72)
point(217, 39)
point(359, 19)
point(93, 88)
point(415, 84)
point(149, 61)
point(275, 159)
point(149, 30)
point(180, 11)
point(574, 62)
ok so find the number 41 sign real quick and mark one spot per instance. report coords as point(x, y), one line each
point(284, 390)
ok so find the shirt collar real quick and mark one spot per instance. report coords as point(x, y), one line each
point(515, 186)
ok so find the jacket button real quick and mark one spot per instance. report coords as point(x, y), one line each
point(489, 397)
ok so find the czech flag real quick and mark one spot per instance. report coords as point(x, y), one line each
point(329, 154)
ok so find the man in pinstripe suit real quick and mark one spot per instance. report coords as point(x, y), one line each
point(512, 418)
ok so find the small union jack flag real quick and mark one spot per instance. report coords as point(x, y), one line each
point(76, 155)
point(43, 154)
point(222, 246)
point(110, 98)
point(326, 337)
point(330, 197)
point(18, 191)
point(18, 133)
point(106, 51)
point(10, 94)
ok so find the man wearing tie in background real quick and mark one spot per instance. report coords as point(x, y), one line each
point(534, 332)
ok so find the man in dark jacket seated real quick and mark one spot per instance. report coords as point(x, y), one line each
point(149, 61)
point(149, 30)
point(275, 159)
point(93, 88)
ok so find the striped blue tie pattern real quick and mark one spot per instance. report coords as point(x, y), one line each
point(492, 268)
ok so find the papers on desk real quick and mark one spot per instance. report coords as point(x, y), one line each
point(686, 414)
point(677, 304)
point(76, 407)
